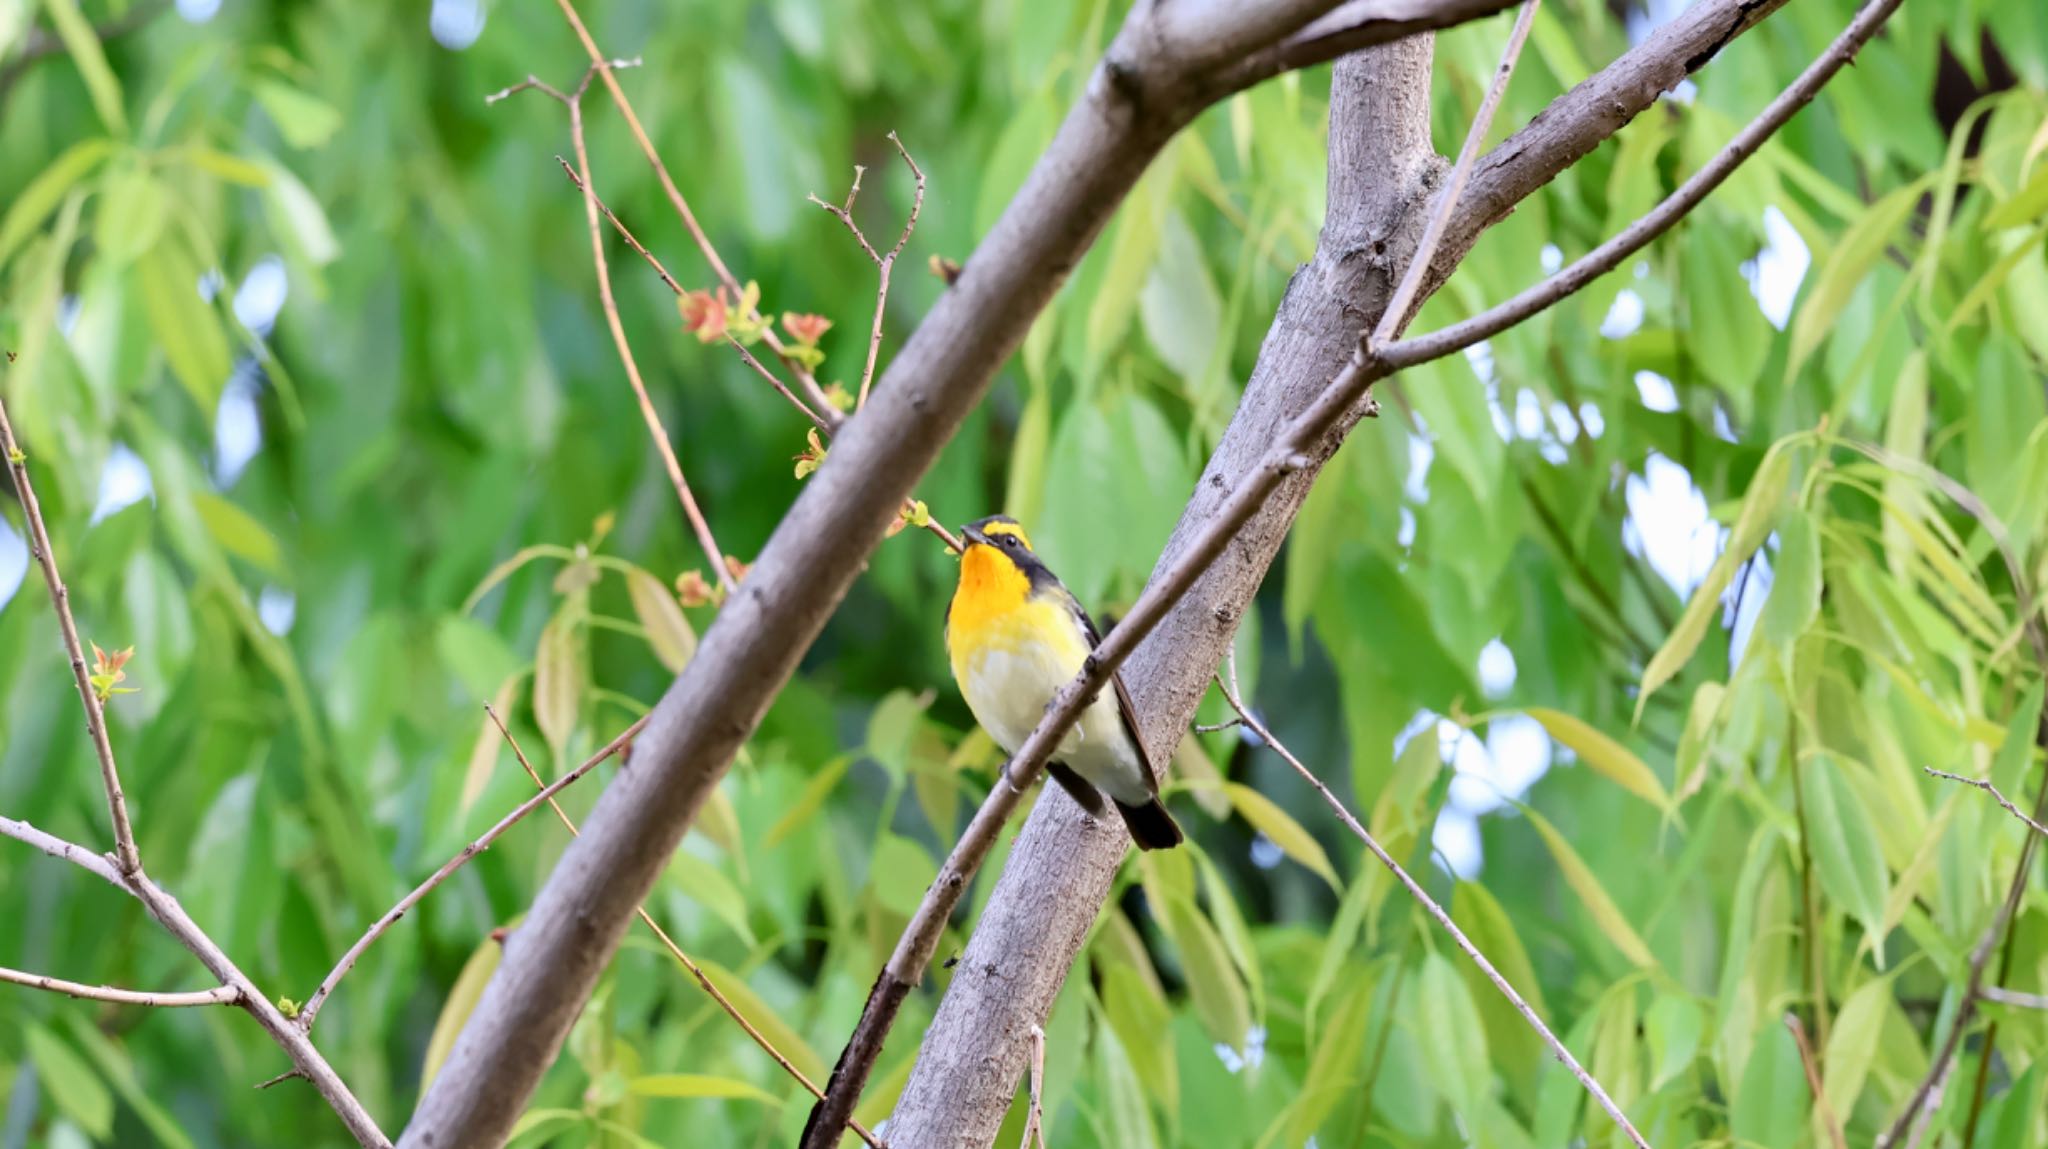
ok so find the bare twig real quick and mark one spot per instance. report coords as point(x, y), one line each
point(669, 943)
point(2013, 997)
point(1435, 911)
point(580, 175)
point(219, 995)
point(100, 865)
point(126, 870)
point(804, 377)
point(482, 843)
point(886, 263)
point(1813, 1082)
point(1400, 308)
point(775, 381)
point(126, 860)
point(912, 956)
point(1986, 786)
point(1034, 1118)
point(619, 225)
point(1609, 255)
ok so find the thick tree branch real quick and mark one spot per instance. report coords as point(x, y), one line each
point(1595, 109)
point(907, 965)
point(675, 951)
point(1132, 104)
point(220, 995)
point(1061, 865)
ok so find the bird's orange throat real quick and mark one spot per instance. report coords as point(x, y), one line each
point(991, 586)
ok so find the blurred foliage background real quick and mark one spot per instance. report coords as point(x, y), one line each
point(1608, 629)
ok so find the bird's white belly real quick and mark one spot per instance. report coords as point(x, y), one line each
point(1009, 689)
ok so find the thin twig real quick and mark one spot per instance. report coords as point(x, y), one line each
point(776, 382)
point(100, 865)
point(1986, 786)
point(712, 553)
point(1399, 309)
point(482, 843)
point(1429, 904)
point(219, 995)
point(885, 263)
point(158, 902)
point(126, 859)
point(1813, 1082)
point(1660, 219)
point(580, 176)
point(2013, 997)
point(625, 233)
point(669, 943)
point(675, 196)
point(1034, 1117)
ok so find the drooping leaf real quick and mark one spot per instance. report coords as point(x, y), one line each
point(668, 632)
point(698, 1085)
point(1845, 850)
point(1282, 830)
point(1604, 755)
point(458, 1005)
point(1608, 916)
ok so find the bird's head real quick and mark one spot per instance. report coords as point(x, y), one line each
point(998, 558)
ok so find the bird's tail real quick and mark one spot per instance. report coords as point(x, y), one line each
point(1151, 826)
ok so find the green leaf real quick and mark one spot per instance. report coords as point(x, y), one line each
point(489, 745)
point(1860, 248)
point(1125, 1113)
point(1752, 525)
point(1672, 1029)
point(1518, 1051)
point(459, 1004)
point(1181, 313)
point(71, 1083)
point(698, 1085)
point(561, 671)
point(2026, 205)
point(1452, 1037)
point(1140, 1018)
point(707, 885)
point(768, 1021)
point(1795, 584)
point(668, 632)
point(238, 532)
point(1724, 316)
point(893, 726)
point(1282, 830)
point(1335, 1067)
point(1770, 1106)
point(1213, 982)
point(1608, 916)
point(900, 874)
point(1025, 489)
point(480, 660)
point(84, 46)
point(1695, 742)
point(116, 1066)
point(1845, 848)
point(1132, 243)
point(185, 326)
point(538, 1120)
point(131, 215)
point(305, 120)
point(2009, 769)
point(297, 219)
point(42, 195)
point(1608, 758)
point(1853, 1044)
point(809, 802)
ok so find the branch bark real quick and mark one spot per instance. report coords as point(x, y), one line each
point(1382, 173)
point(219, 995)
point(1134, 101)
point(1061, 866)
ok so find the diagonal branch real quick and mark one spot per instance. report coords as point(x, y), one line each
point(907, 965)
point(1985, 785)
point(126, 859)
point(1429, 904)
point(886, 263)
point(483, 842)
point(1061, 866)
point(669, 943)
point(124, 868)
point(220, 995)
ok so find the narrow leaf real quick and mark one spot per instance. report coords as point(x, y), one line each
point(1609, 758)
point(1592, 894)
point(1282, 830)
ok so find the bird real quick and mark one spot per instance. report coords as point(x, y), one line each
point(1015, 635)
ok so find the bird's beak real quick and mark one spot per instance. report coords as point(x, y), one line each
point(974, 536)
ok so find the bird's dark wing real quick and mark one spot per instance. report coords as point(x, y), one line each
point(1124, 705)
